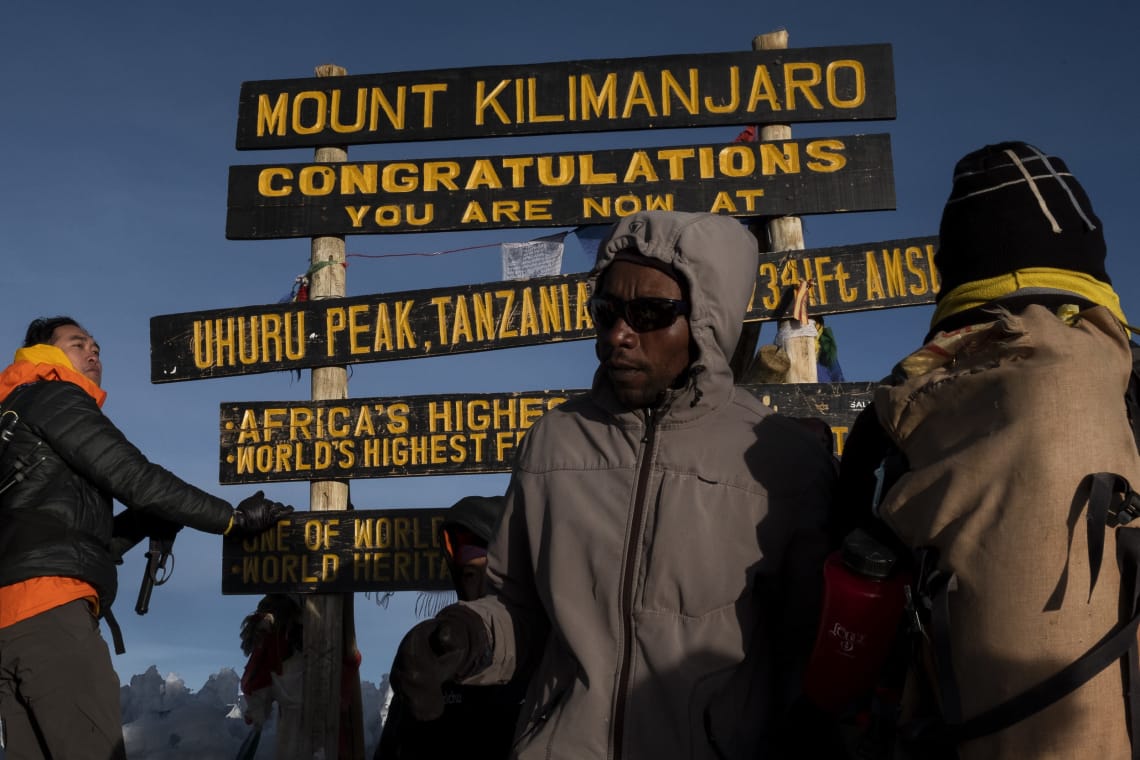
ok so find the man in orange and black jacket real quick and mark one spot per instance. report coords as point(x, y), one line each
point(62, 464)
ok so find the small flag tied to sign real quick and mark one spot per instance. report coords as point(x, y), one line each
point(534, 258)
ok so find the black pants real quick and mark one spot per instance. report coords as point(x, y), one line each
point(59, 694)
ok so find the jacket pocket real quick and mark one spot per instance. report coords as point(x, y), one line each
point(691, 518)
point(731, 711)
point(709, 715)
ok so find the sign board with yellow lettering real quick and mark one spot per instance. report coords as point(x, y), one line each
point(372, 328)
point(861, 277)
point(332, 552)
point(398, 549)
point(811, 176)
point(269, 441)
point(697, 90)
point(440, 321)
point(837, 404)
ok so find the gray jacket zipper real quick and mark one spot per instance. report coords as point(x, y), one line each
point(649, 441)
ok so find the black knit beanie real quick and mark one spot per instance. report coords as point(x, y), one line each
point(1013, 207)
point(478, 514)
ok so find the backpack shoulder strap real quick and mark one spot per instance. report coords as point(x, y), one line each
point(1132, 395)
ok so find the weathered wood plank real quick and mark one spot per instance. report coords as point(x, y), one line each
point(333, 552)
point(466, 433)
point(809, 176)
point(489, 316)
point(694, 90)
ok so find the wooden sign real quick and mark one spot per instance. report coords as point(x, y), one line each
point(376, 437)
point(810, 176)
point(331, 552)
point(861, 277)
point(398, 549)
point(440, 321)
point(837, 404)
point(372, 328)
point(697, 90)
point(271, 441)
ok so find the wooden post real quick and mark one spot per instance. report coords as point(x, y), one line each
point(325, 633)
point(745, 353)
point(786, 233)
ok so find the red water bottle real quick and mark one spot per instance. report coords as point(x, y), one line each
point(863, 602)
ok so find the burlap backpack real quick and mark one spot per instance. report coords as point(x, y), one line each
point(1016, 458)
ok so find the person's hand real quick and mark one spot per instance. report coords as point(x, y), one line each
point(160, 529)
point(256, 513)
point(447, 647)
point(132, 526)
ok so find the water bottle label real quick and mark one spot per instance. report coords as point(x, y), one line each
point(847, 639)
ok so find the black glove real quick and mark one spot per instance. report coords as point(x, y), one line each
point(131, 526)
point(450, 646)
point(255, 514)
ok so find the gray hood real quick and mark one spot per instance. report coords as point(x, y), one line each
point(718, 258)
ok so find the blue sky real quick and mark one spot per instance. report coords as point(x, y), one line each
point(118, 121)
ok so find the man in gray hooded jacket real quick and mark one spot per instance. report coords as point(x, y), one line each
point(658, 561)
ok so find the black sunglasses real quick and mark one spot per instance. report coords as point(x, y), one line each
point(642, 314)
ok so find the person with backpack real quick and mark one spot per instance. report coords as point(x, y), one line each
point(477, 721)
point(62, 461)
point(996, 461)
point(272, 640)
point(272, 681)
point(661, 549)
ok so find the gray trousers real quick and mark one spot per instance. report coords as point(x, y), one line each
point(59, 694)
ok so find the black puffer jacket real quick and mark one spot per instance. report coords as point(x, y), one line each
point(59, 521)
